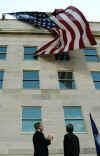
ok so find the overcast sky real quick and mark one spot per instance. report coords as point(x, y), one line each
point(90, 8)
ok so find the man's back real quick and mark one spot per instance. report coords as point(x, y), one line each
point(40, 144)
point(71, 145)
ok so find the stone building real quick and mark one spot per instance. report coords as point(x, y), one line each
point(53, 89)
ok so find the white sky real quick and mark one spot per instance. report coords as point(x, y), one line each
point(90, 8)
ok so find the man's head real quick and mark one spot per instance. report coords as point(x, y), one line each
point(69, 128)
point(38, 126)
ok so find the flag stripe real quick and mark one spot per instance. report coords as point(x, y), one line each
point(79, 27)
point(56, 45)
point(65, 41)
point(47, 45)
point(89, 34)
point(76, 35)
point(83, 25)
point(62, 40)
point(69, 28)
point(68, 33)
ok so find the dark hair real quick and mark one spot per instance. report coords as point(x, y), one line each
point(36, 125)
point(69, 128)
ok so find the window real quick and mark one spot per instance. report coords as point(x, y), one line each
point(73, 115)
point(1, 78)
point(66, 80)
point(3, 52)
point(30, 115)
point(29, 53)
point(96, 79)
point(91, 55)
point(31, 79)
point(63, 56)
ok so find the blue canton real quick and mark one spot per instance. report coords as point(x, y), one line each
point(36, 18)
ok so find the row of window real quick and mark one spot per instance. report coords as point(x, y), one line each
point(90, 54)
point(31, 115)
point(66, 80)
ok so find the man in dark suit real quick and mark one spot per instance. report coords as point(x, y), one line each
point(71, 142)
point(40, 142)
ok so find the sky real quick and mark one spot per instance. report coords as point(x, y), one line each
point(90, 8)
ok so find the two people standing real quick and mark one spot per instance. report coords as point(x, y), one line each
point(70, 144)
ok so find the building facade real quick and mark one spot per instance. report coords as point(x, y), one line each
point(53, 89)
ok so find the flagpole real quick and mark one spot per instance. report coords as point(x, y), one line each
point(96, 135)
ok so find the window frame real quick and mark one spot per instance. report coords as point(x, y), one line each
point(67, 79)
point(31, 80)
point(81, 118)
point(1, 52)
point(38, 119)
point(96, 55)
point(2, 79)
point(30, 53)
point(94, 81)
point(62, 57)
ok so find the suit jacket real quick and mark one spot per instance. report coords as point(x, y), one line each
point(40, 144)
point(71, 145)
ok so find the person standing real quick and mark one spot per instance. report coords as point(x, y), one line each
point(40, 142)
point(71, 142)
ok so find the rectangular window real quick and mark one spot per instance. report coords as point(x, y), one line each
point(1, 78)
point(96, 79)
point(31, 79)
point(62, 57)
point(73, 115)
point(66, 80)
point(91, 55)
point(30, 115)
point(29, 53)
point(3, 52)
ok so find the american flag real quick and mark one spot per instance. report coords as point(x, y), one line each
point(70, 28)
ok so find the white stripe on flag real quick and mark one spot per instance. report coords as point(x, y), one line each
point(75, 29)
point(83, 25)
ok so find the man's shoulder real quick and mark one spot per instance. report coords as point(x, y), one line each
point(70, 135)
point(75, 137)
point(37, 133)
point(66, 135)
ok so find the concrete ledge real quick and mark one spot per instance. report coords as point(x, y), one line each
point(25, 151)
point(49, 154)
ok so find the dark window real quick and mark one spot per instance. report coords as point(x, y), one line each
point(29, 53)
point(31, 79)
point(96, 79)
point(30, 115)
point(1, 78)
point(63, 56)
point(73, 115)
point(3, 52)
point(91, 55)
point(66, 80)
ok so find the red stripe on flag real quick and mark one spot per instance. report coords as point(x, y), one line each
point(79, 27)
point(58, 43)
point(47, 45)
point(65, 41)
point(89, 34)
point(69, 28)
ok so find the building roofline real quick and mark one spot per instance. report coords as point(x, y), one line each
point(34, 30)
point(6, 19)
